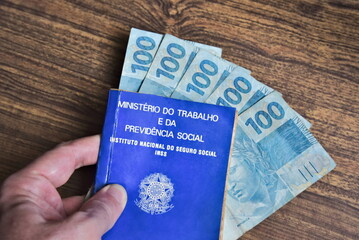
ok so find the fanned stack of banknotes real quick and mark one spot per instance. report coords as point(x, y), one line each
point(274, 157)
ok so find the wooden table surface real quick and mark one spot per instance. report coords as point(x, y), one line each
point(58, 58)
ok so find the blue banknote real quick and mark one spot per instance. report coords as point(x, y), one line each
point(274, 158)
point(301, 118)
point(203, 76)
point(141, 49)
point(239, 90)
point(170, 63)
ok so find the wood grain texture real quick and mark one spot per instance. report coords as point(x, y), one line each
point(59, 58)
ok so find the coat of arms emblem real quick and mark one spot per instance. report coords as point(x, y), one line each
point(155, 194)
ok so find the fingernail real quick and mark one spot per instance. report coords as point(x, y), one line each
point(104, 189)
point(116, 191)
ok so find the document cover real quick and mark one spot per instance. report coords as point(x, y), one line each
point(172, 158)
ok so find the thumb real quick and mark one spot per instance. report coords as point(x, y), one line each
point(99, 213)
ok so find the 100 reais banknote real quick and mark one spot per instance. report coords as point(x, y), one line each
point(274, 155)
point(172, 60)
point(203, 76)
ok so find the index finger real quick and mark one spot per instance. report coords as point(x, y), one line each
point(57, 165)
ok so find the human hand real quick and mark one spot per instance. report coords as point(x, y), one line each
point(31, 207)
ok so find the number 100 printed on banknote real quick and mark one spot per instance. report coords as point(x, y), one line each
point(141, 49)
point(172, 60)
point(274, 158)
